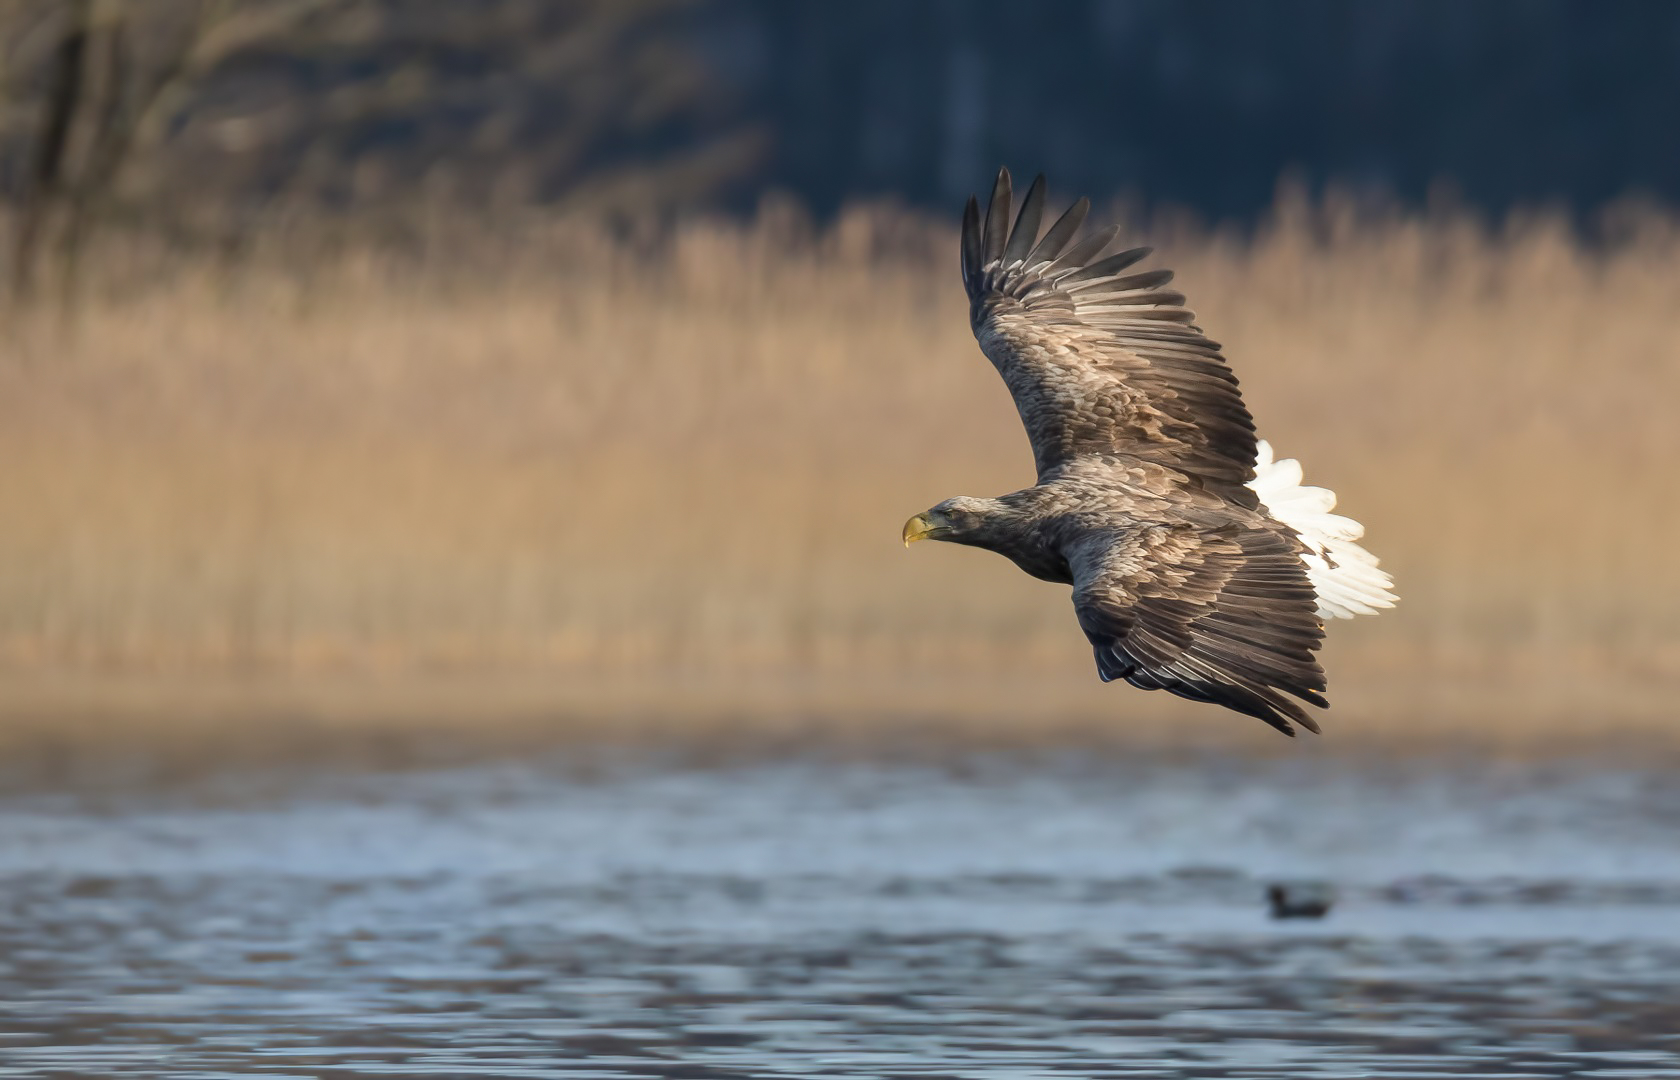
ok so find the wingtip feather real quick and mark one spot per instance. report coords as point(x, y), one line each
point(971, 245)
point(1024, 235)
point(997, 218)
point(1061, 232)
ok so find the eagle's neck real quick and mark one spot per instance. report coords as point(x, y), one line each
point(1014, 528)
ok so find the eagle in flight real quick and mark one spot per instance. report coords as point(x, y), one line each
point(1199, 564)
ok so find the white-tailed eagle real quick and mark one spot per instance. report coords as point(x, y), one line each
point(1199, 565)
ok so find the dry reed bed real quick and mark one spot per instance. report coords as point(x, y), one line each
point(670, 477)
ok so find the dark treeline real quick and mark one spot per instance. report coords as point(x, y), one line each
point(176, 106)
point(1205, 103)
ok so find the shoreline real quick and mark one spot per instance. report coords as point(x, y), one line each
point(61, 724)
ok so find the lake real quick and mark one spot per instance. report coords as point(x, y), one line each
point(989, 915)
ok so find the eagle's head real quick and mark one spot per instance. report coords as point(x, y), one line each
point(961, 520)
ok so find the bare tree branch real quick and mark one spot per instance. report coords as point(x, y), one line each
point(197, 109)
point(46, 180)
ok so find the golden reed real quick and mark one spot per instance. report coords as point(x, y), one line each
point(569, 475)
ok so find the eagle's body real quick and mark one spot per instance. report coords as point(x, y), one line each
point(1199, 565)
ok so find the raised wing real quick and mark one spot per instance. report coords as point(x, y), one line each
point(1098, 360)
point(1225, 616)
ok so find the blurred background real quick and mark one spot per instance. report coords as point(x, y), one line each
point(574, 363)
point(452, 613)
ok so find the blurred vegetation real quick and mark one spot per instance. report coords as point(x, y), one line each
point(404, 355)
point(193, 115)
point(199, 115)
point(558, 468)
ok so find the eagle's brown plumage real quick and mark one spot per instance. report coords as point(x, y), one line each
point(1182, 581)
point(1097, 359)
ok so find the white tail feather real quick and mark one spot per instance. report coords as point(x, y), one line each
point(1344, 575)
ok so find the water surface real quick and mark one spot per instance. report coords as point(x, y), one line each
point(1005, 917)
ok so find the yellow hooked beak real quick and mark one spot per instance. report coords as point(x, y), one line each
point(917, 528)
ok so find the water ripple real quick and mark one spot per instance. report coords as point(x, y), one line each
point(792, 920)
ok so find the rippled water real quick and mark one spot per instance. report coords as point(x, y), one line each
point(1009, 918)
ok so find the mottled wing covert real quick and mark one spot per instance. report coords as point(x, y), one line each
point(1225, 616)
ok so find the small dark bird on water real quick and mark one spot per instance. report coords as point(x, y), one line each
point(1300, 899)
point(1199, 565)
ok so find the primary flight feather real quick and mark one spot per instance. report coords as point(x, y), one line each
point(1199, 565)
